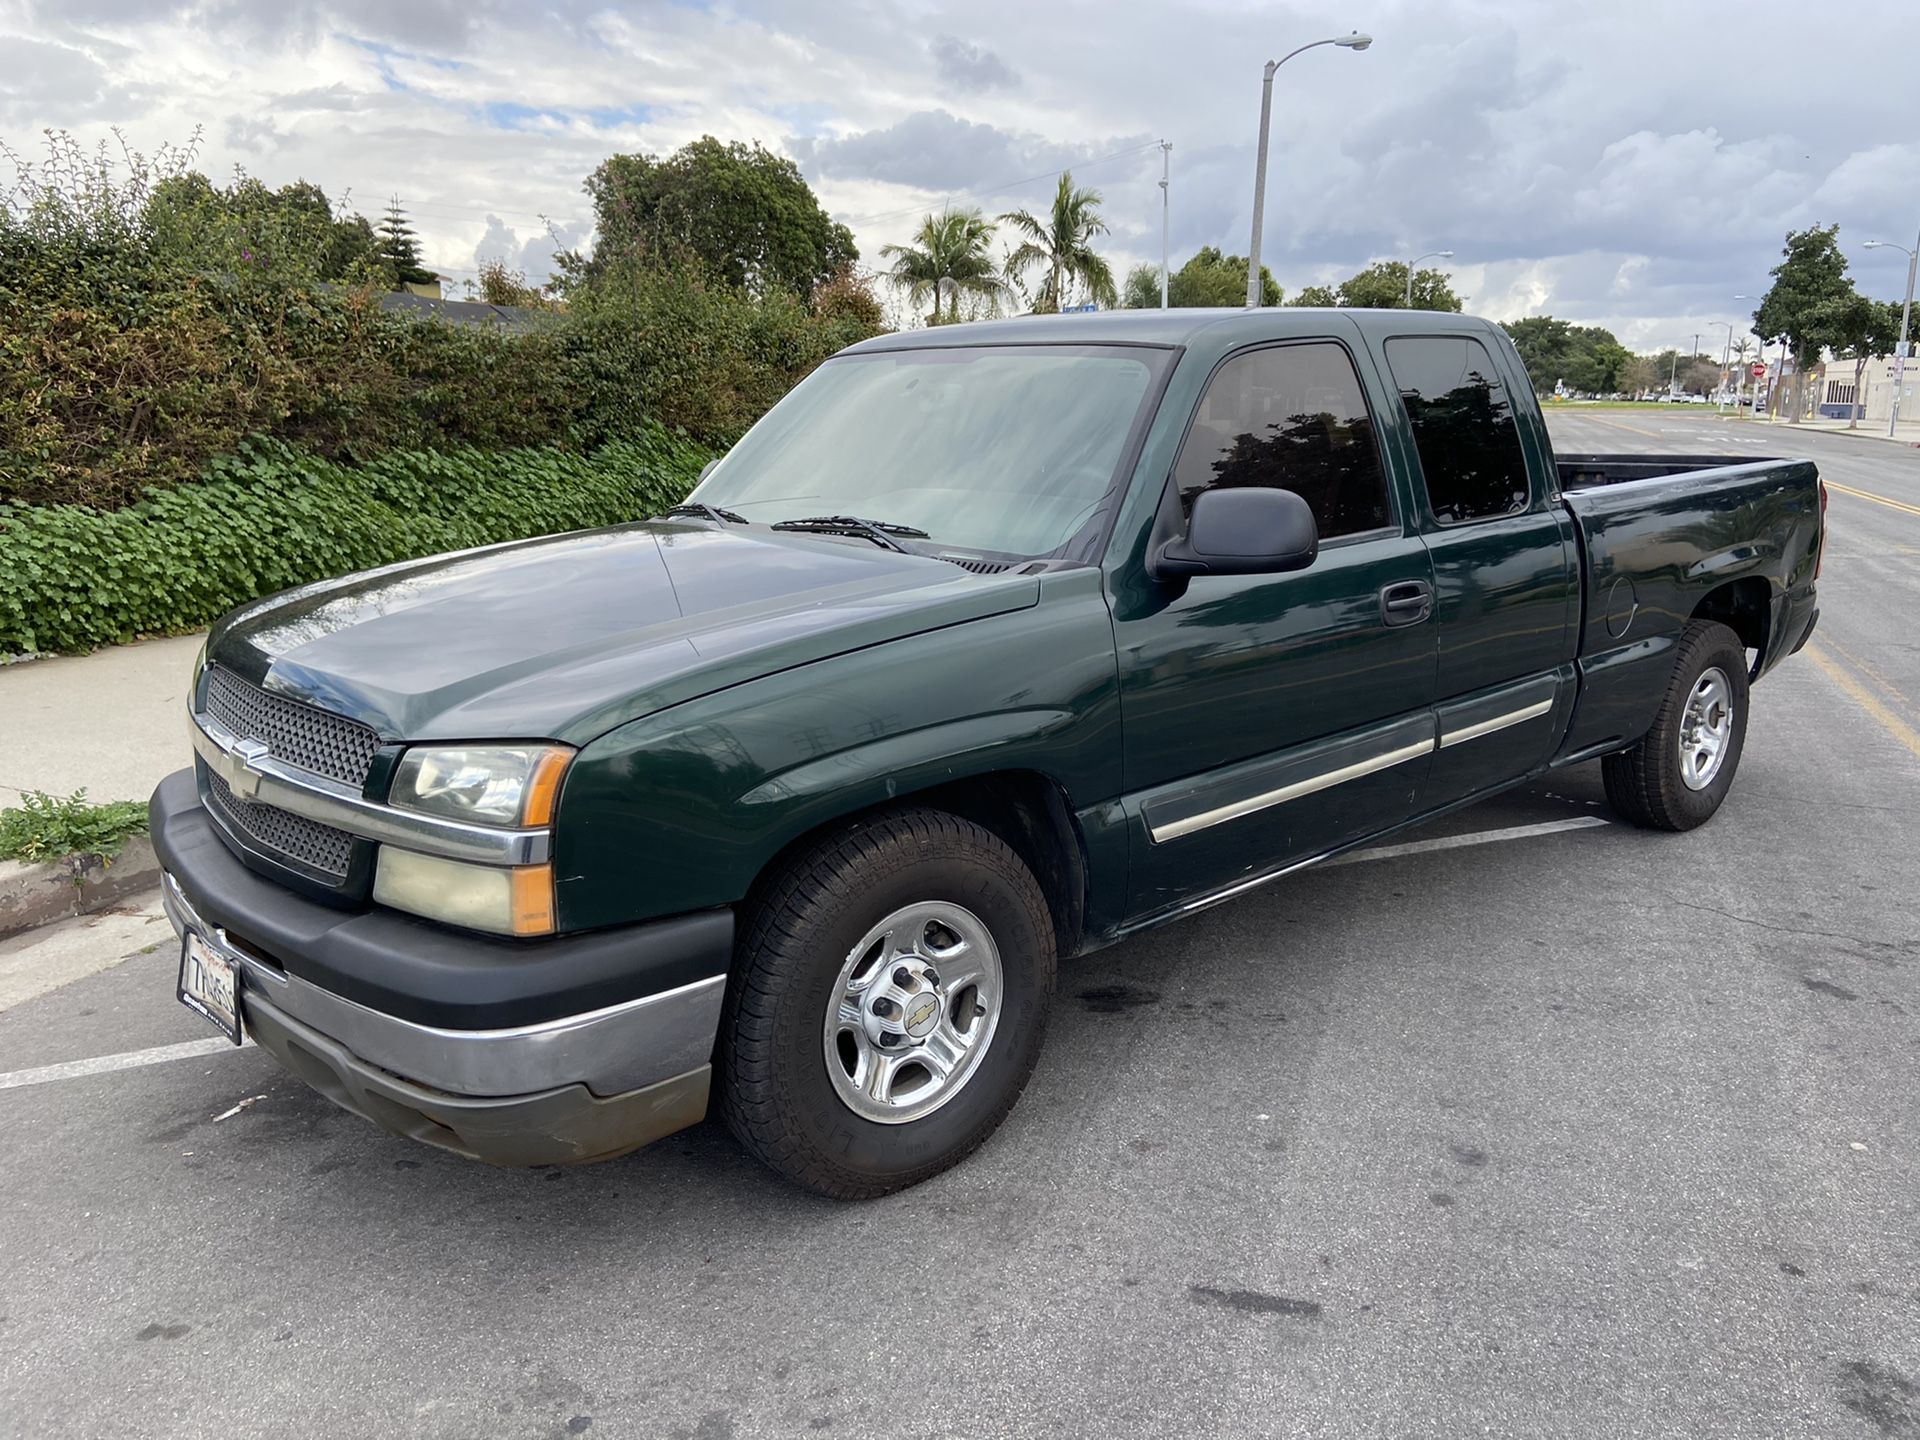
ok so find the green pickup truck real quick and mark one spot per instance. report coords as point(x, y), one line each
point(987, 647)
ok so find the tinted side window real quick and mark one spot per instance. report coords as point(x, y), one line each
point(1463, 426)
point(1292, 418)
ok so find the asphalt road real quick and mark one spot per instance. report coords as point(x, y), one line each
point(1591, 1133)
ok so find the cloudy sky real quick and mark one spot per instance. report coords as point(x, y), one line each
point(1628, 164)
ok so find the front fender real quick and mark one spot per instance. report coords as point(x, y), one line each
point(683, 809)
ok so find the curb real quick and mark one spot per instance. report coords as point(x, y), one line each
point(32, 895)
point(1855, 434)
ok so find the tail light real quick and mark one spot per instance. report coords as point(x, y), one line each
point(1820, 555)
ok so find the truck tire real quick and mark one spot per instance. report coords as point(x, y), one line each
point(887, 1002)
point(1681, 770)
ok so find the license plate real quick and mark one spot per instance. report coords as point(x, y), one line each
point(210, 984)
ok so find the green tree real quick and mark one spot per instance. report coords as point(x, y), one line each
point(1322, 297)
point(744, 213)
point(1213, 279)
point(245, 228)
point(1810, 285)
point(400, 249)
point(948, 253)
point(1860, 329)
point(1061, 242)
point(1141, 290)
point(1383, 286)
point(1586, 357)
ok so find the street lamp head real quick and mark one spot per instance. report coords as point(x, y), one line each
point(1355, 41)
point(1874, 245)
point(1444, 254)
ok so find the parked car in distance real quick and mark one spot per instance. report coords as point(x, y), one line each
point(988, 646)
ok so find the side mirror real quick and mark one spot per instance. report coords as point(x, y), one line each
point(1251, 531)
point(707, 469)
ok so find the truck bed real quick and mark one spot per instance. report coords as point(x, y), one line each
point(1665, 539)
point(1581, 472)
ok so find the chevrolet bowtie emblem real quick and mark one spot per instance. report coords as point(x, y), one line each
point(245, 781)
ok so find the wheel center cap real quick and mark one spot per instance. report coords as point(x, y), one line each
point(922, 1014)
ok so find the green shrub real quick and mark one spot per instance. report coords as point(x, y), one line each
point(46, 827)
point(273, 516)
point(151, 322)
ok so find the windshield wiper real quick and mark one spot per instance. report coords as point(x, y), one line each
point(881, 532)
point(703, 511)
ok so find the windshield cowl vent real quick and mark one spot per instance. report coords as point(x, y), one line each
point(979, 567)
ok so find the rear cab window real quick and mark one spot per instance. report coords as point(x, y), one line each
point(1463, 425)
point(1290, 417)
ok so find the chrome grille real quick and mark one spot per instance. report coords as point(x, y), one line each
point(308, 842)
point(314, 739)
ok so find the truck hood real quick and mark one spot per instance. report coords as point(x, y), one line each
point(565, 638)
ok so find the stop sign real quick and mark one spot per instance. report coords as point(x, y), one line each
point(1759, 369)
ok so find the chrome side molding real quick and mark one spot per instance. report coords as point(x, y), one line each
point(1498, 722)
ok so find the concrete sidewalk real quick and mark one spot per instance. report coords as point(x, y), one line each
point(113, 722)
point(1909, 431)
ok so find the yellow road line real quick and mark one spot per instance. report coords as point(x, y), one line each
point(1866, 700)
point(1868, 669)
point(1869, 495)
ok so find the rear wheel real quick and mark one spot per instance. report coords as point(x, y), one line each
point(887, 1005)
point(1683, 767)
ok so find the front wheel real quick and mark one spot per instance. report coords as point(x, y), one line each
point(1683, 767)
point(888, 1000)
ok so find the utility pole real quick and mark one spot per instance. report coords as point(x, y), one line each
point(1166, 166)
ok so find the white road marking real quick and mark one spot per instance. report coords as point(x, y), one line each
point(161, 1054)
point(102, 1064)
point(1478, 837)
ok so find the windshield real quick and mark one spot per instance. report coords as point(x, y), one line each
point(1009, 449)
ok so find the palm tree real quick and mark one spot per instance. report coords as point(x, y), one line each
point(1062, 243)
point(948, 250)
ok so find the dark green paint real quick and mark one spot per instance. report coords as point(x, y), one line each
point(733, 690)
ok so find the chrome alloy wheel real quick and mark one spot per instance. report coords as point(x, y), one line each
point(913, 1012)
point(1706, 729)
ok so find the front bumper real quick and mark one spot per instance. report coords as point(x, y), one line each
point(423, 1052)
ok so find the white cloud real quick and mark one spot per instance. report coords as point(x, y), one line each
point(1632, 165)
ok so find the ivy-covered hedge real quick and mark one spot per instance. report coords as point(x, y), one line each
point(274, 516)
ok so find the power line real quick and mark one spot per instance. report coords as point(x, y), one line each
point(998, 189)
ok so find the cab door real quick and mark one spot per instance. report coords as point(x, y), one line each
point(1505, 564)
point(1269, 718)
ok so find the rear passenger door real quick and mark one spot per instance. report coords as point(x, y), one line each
point(1505, 566)
point(1270, 717)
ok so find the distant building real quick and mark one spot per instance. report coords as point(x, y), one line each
point(1873, 400)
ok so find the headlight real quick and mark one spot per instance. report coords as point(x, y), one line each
point(481, 897)
point(484, 784)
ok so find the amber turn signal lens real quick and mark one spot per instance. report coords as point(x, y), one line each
point(543, 790)
point(533, 900)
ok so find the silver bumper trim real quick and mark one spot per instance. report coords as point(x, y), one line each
point(253, 774)
point(611, 1051)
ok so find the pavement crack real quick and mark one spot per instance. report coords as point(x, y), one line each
point(1777, 929)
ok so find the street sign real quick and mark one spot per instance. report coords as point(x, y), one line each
point(1086, 309)
point(1759, 369)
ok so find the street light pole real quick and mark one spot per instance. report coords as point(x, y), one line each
point(1726, 355)
point(1430, 255)
point(1355, 41)
point(1166, 153)
point(1906, 316)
